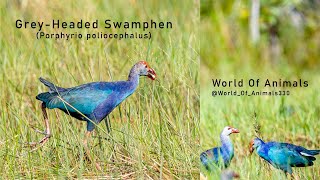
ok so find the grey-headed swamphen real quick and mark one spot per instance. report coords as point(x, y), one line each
point(220, 156)
point(283, 156)
point(91, 102)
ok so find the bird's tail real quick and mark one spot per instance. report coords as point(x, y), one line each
point(51, 86)
point(311, 152)
point(204, 160)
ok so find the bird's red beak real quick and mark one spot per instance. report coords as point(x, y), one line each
point(234, 130)
point(151, 74)
point(251, 149)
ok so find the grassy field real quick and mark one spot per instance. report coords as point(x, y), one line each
point(154, 132)
point(227, 53)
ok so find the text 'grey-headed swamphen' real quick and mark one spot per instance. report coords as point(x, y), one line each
point(91, 102)
point(220, 156)
point(283, 156)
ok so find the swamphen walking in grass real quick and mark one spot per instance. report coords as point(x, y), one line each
point(220, 156)
point(91, 102)
point(283, 156)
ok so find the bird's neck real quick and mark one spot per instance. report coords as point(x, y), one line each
point(134, 76)
point(260, 148)
point(226, 143)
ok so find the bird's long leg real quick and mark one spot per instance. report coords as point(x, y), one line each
point(47, 131)
point(87, 151)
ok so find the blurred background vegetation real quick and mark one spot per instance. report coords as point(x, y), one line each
point(155, 131)
point(289, 33)
point(287, 47)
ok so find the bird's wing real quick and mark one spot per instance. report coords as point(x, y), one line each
point(282, 155)
point(82, 98)
point(210, 156)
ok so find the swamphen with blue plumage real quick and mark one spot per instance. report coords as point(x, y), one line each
point(283, 156)
point(91, 102)
point(220, 156)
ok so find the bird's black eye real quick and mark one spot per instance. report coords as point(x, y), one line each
point(145, 66)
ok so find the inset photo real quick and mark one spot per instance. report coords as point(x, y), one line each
point(259, 94)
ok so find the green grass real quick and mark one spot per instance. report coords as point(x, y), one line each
point(226, 53)
point(155, 131)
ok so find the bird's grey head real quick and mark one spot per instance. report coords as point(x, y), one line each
point(229, 130)
point(254, 144)
point(143, 69)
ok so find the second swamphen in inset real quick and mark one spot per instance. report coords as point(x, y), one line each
point(283, 156)
point(91, 102)
point(220, 156)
